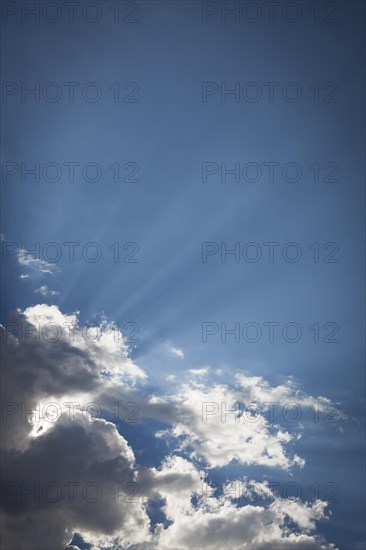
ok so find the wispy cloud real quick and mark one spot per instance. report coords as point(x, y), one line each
point(26, 260)
point(44, 291)
point(199, 372)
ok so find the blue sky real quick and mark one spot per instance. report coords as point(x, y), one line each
point(170, 292)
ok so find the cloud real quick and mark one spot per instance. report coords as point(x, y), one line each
point(176, 351)
point(49, 355)
point(256, 389)
point(44, 291)
point(56, 361)
point(220, 440)
point(197, 518)
point(176, 481)
point(248, 527)
point(216, 522)
point(26, 260)
point(80, 474)
point(251, 423)
point(221, 424)
point(199, 372)
point(51, 360)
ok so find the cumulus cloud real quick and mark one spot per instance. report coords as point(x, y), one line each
point(74, 478)
point(218, 424)
point(176, 482)
point(206, 425)
point(89, 469)
point(223, 424)
point(49, 359)
point(216, 521)
point(249, 527)
point(48, 355)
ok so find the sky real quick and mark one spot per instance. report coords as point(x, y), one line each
point(182, 235)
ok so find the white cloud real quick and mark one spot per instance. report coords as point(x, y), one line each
point(199, 372)
point(220, 439)
point(248, 527)
point(216, 523)
point(256, 389)
point(176, 351)
point(222, 424)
